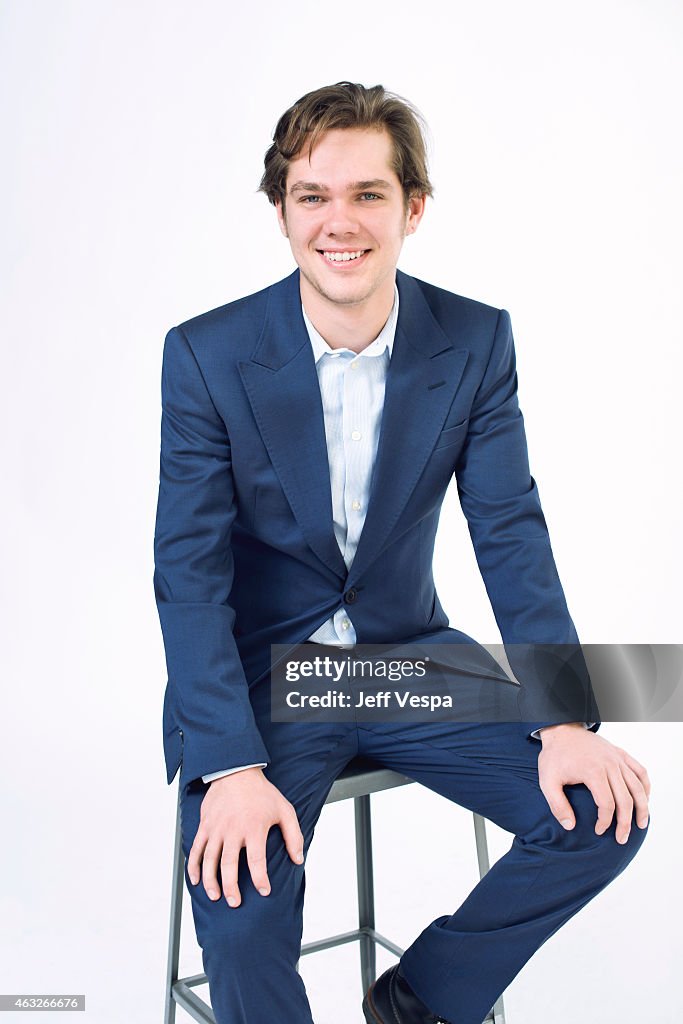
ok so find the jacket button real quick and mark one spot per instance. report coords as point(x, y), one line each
point(350, 596)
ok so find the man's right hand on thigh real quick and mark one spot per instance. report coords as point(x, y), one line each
point(238, 811)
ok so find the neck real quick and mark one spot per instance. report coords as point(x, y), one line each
point(348, 325)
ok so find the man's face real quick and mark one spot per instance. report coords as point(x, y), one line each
point(347, 200)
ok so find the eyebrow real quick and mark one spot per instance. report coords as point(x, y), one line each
point(355, 186)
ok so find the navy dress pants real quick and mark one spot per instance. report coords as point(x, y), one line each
point(461, 962)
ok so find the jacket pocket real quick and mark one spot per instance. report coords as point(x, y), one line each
point(451, 435)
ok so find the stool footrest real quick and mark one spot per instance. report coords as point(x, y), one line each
point(354, 936)
point(184, 996)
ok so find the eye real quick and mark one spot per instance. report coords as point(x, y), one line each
point(370, 195)
point(310, 200)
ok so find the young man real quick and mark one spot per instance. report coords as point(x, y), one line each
point(309, 433)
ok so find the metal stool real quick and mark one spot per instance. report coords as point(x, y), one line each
point(358, 780)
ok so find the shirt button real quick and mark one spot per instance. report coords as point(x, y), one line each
point(354, 366)
point(345, 624)
point(356, 435)
point(355, 505)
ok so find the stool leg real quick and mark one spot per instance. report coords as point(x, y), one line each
point(175, 922)
point(498, 1012)
point(482, 845)
point(366, 890)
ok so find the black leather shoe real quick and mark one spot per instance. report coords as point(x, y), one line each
point(391, 1000)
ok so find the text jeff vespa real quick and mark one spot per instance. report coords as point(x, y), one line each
point(382, 699)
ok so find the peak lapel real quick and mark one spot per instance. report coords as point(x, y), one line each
point(415, 409)
point(282, 386)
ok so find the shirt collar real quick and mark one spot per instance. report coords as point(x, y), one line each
point(384, 340)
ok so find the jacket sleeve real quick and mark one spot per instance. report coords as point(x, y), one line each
point(208, 720)
point(500, 500)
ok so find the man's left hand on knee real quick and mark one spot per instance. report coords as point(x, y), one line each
point(570, 755)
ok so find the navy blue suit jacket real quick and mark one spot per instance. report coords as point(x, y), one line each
point(245, 552)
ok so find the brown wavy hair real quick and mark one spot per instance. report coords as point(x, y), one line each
point(349, 105)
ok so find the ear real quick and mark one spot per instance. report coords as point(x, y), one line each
point(281, 218)
point(416, 209)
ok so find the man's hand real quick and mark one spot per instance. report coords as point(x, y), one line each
point(571, 754)
point(239, 810)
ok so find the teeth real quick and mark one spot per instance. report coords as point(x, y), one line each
point(343, 257)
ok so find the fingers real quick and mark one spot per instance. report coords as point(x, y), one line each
point(639, 771)
point(559, 805)
point(195, 856)
point(628, 794)
point(256, 859)
point(605, 802)
point(256, 848)
point(623, 805)
point(229, 868)
point(639, 794)
point(203, 861)
point(228, 856)
point(210, 870)
point(292, 835)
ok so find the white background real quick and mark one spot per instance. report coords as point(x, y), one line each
point(133, 135)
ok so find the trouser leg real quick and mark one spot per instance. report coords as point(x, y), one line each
point(463, 961)
point(250, 953)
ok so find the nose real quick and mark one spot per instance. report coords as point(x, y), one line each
point(341, 218)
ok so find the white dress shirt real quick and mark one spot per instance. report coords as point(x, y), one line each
point(352, 389)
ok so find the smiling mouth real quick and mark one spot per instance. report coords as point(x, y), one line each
point(338, 258)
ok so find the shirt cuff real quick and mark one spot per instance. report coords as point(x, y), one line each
point(230, 771)
point(536, 734)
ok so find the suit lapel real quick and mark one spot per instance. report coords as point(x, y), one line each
point(282, 386)
point(424, 374)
